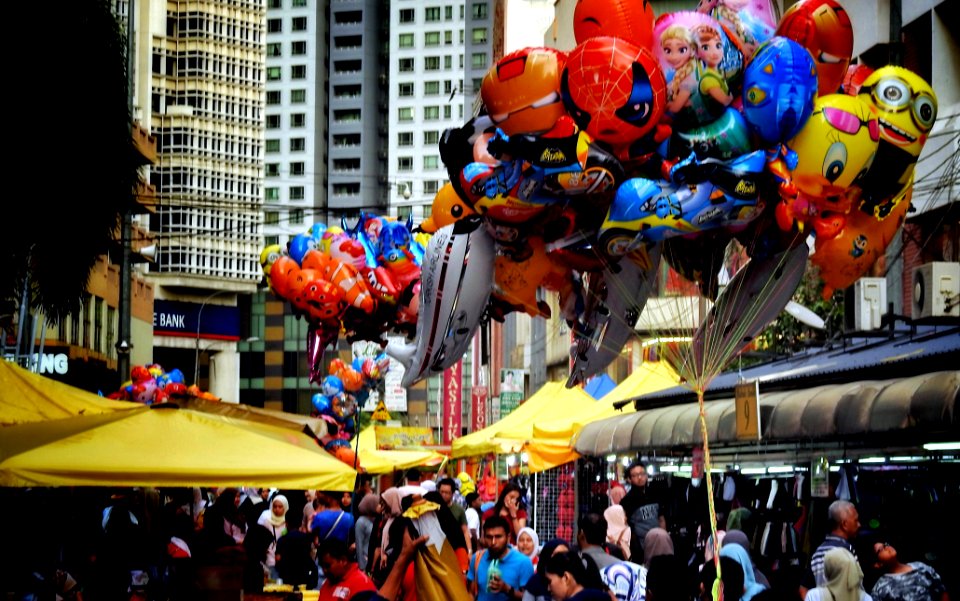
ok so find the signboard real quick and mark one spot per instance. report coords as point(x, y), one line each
point(389, 438)
point(394, 394)
point(511, 390)
point(178, 318)
point(820, 478)
point(479, 402)
point(452, 402)
point(747, 400)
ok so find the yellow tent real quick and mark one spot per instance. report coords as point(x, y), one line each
point(510, 434)
point(375, 461)
point(551, 441)
point(29, 397)
point(164, 445)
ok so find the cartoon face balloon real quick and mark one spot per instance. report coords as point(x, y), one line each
point(625, 19)
point(779, 85)
point(447, 208)
point(823, 27)
point(613, 90)
point(267, 257)
point(521, 92)
point(748, 23)
point(836, 146)
point(701, 65)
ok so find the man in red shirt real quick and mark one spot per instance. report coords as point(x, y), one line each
point(343, 577)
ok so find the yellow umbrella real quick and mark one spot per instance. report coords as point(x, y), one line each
point(376, 461)
point(165, 445)
point(29, 397)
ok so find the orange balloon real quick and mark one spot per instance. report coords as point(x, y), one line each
point(516, 282)
point(315, 259)
point(281, 275)
point(447, 208)
point(298, 287)
point(846, 258)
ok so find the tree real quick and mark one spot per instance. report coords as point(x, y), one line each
point(72, 156)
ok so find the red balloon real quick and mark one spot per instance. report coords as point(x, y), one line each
point(854, 78)
point(823, 27)
point(625, 19)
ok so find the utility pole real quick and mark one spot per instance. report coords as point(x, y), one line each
point(124, 346)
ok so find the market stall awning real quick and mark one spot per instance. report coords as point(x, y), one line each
point(910, 407)
point(28, 397)
point(510, 433)
point(376, 461)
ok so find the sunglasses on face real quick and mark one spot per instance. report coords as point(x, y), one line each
point(849, 123)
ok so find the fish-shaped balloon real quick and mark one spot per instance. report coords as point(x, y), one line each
point(455, 285)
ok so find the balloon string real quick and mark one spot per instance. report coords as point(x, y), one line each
point(718, 584)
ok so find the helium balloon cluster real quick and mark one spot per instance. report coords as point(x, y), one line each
point(363, 280)
point(149, 384)
point(345, 389)
point(664, 137)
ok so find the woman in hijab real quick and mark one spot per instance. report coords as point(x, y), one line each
point(390, 510)
point(363, 529)
point(750, 585)
point(618, 531)
point(656, 542)
point(528, 543)
point(844, 579)
point(274, 520)
point(536, 589)
point(738, 537)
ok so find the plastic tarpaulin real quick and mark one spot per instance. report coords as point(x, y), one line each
point(165, 445)
point(28, 397)
point(375, 461)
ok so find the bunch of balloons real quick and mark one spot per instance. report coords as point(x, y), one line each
point(666, 137)
point(363, 280)
point(149, 384)
point(345, 390)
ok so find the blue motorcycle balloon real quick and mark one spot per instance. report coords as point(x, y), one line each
point(779, 85)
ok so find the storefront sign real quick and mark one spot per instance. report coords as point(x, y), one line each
point(820, 478)
point(391, 439)
point(747, 400)
point(478, 408)
point(452, 402)
point(196, 320)
point(511, 390)
point(394, 394)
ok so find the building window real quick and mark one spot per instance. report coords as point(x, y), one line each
point(405, 65)
point(446, 111)
point(273, 4)
point(407, 15)
point(478, 60)
point(431, 88)
point(430, 187)
point(272, 169)
point(274, 49)
point(431, 137)
point(298, 120)
point(298, 144)
point(296, 192)
point(298, 72)
point(431, 38)
point(298, 48)
point(271, 218)
point(271, 146)
point(431, 113)
point(432, 14)
point(479, 10)
point(405, 138)
point(98, 324)
point(448, 38)
point(480, 35)
point(273, 97)
point(271, 194)
point(273, 122)
point(404, 163)
point(405, 114)
point(447, 13)
point(405, 89)
point(298, 96)
point(299, 3)
point(448, 62)
point(405, 40)
point(432, 63)
point(297, 168)
point(274, 25)
point(274, 74)
point(296, 217)
point(271, 240)
point(404, 213)
point(431, 162)
point(299, 23)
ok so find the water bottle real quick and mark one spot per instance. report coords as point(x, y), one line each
point(493, 572)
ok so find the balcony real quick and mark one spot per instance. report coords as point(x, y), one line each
point(144, 143)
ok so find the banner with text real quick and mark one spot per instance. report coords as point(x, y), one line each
point(399, 438)
point(452, 402)
point(479, 401)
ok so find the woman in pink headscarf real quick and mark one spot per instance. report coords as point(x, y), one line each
point(618, 531)
point(379, 565)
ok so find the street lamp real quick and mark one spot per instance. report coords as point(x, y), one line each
point(196, 360)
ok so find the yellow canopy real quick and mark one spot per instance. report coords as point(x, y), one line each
point(164, 445)
point(510, 434)
point(29, 397)
point(375, 461)
point(550, 443)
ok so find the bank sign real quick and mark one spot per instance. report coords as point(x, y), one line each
point(177, 318)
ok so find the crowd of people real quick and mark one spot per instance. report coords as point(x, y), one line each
point(362, 546)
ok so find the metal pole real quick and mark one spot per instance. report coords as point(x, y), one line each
point(196, 360)
point(896, 24)
point(124, 327)
point(24, 304)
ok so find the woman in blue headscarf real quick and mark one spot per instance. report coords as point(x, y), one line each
point(750, 585)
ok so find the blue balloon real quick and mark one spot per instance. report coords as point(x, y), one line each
point(316, 231)
point(779, 85)
point(176, 376)
point(332, 386)
point(321, 403)
point(299, 245)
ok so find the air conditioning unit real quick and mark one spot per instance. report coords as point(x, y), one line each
point(936, 290)
point(869, 303)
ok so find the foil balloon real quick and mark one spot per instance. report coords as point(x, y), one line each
point(516, 282)
point(299, 245)
point(725, 138)
point(611, 309)
point(853, 80)
point(748, 23)
point(455, 287)
point(779, 85)
point(625, 19)
point(520, 92)
point(822, 27)
point(282, 272)
point(702, 67)
point(447, 208)
point(906, 108)
point(268, 256)
point(613, 89)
